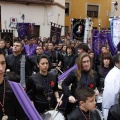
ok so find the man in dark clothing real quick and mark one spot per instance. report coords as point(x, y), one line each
point(33, 58)
point(54, 56)
point(13, 61)
point(10, 108)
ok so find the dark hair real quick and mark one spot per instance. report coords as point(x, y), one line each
point(82, 93)
point(2, 40)
point(116, 58)
point(30, 37)
point(41, 57)
point(2, 53)
point(18, 42)
point(103, 46)
point(90, 51)
point(109, 57)
point(51, 43)
point(70, 47)
point(79, 64)
point(12, 76)
point(84, 46)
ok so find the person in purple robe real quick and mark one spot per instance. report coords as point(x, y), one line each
point(30, 49)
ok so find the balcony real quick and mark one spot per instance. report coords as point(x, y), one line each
point(31, 1)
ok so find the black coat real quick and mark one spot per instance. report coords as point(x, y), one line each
point(54, 57)
point(85, 80)
point(76, 114)
point(13, 63)
point(40, 88)
point(69, 61)
point(114, 112)
point(12, 107)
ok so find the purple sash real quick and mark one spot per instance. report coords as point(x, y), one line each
point(25, 102)
point(65, 74)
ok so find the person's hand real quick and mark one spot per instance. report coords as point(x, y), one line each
point(71, 99)
point(59, 101)
point(96, 91)
point(58, 68)
point(59, 64)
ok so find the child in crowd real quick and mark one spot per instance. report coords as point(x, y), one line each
point(86, 109)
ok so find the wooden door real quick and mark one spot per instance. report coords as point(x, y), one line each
point(36, 31)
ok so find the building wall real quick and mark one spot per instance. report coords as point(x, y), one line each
point(62, 2)
point(115, 12)
point(39, 14)
point(78, 9)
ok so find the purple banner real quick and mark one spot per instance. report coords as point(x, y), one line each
point(65, 74)
point(98, 40)
point(112, 48)
point(25, 29)
point(25, 102)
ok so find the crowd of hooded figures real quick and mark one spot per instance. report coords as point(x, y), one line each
point(89, 92)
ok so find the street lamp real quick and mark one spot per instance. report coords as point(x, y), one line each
point(116, 5)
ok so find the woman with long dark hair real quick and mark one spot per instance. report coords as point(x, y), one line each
point(105, 67)
point(82, 76)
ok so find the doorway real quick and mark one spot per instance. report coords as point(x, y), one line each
point(36, 31)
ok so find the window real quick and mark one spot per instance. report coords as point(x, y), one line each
point(92, 11)
point(67, 9)
point(95, 28)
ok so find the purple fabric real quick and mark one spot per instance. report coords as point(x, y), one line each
point(98, 40)
point(30, 50)
point(25, 29)
point(65, 74)
point(25, 102)
point(112, 48)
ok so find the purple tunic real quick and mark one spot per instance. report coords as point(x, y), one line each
point(30, 49)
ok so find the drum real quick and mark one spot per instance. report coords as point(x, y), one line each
point(100, 114)
point(53, 115)
point(60, 85)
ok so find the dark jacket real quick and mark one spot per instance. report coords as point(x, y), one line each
point(85, 80)
point(54, 57)
point(69, 61)
point(40, 90)
point(114, 112)
point(14, 64)
point(11, 105)
point(76, 114)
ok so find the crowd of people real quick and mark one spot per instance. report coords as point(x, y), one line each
point(44, 60)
